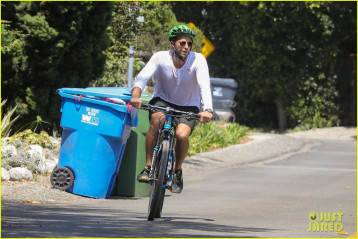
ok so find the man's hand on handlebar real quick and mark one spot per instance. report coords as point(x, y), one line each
point(136, 102)
point(205, 116)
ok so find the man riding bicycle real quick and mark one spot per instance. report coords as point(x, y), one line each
point(181, 82)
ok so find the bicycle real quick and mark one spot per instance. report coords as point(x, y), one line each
point(162, 168)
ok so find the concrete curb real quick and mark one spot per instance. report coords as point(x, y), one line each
point(261, 148)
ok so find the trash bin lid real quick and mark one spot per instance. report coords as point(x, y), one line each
point(123, 93)
point(113, 97)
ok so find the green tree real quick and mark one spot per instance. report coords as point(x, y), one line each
point(121, 32)
point(56, 44)
point(274, 49)
point(143, 25)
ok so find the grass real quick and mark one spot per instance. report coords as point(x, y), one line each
point(213, 135)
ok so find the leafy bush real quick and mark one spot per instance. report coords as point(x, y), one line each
point(23, 159)
point(314, 106)
point(215, 135)
point(23, 150)
point(27, 136)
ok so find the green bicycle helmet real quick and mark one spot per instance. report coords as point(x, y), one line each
point(181, 30)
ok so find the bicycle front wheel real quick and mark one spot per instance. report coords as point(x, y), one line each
point(157, 191)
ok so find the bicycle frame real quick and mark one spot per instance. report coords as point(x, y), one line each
point(165, 134)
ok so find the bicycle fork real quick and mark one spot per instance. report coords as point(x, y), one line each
point(167, 135)
point(155, 158)
point(170, 166)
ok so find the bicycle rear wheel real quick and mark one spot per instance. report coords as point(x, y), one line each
point(157, 191)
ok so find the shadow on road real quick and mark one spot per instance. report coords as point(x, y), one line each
point(68, 220)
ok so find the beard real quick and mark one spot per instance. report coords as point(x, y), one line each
point(182, 56)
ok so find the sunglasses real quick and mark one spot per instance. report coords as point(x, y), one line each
point(182, 43)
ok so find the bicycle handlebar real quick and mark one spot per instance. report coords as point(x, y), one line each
point(170, 111)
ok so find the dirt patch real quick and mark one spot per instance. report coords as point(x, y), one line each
point(38, 191)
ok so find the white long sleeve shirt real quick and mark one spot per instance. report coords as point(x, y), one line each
point(187, 86)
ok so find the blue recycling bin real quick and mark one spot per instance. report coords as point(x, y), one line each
point(96, 124)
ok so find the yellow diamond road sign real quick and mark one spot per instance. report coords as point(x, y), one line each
point(208, 47)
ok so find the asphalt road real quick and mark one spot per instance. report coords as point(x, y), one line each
point(267, 199)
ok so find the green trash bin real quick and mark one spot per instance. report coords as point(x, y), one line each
point(133, 160)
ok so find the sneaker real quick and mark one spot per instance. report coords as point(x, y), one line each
point(177, 185)
point(143, 177)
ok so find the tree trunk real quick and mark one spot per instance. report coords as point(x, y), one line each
point(281, 115)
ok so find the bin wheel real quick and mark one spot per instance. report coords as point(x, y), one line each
point(62, 178)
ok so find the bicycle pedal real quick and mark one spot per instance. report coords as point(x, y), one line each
point(169, 185)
